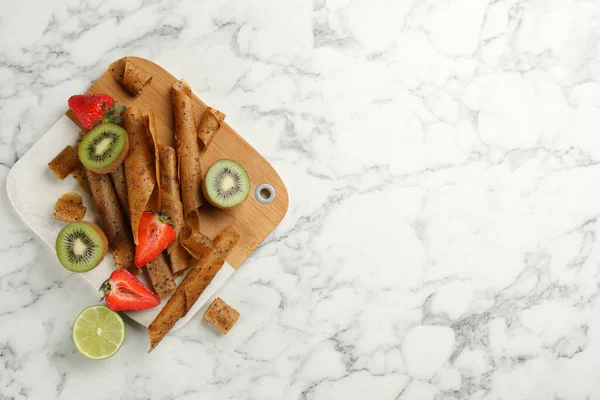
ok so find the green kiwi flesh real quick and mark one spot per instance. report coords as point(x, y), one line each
point(80, 246)
point(226, 184)
point(104, 148)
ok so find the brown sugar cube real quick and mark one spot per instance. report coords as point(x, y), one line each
point(221, 315)
point(65, 162)
point(69, 208)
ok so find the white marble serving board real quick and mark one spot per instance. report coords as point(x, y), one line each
point(33, 190)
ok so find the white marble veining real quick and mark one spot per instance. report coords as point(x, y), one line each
point(442, 160)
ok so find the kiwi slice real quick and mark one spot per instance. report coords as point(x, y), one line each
point(226, 184)
point(104, 148)
point(80, 246)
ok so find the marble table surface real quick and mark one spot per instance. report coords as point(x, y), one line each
point(441, 157)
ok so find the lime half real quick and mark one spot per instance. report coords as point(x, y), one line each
point(98, 332)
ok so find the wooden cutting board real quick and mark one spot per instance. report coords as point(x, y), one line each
point(254, 220)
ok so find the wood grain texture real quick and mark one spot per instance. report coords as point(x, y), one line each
point(254, 221)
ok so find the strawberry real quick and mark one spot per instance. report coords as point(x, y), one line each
point(93, 109)
point(125, 292)
point(155, 234)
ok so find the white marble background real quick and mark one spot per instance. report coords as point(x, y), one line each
point(442, 159)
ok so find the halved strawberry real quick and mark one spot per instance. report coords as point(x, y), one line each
point(92, 109)
point(155, 234)
point(125, 292)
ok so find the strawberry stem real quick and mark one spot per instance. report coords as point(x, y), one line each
point(111, 115)
point(105, 288)
point(163, 217)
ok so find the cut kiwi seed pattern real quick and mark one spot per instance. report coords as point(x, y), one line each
point(226, 184)
point(104, 148)
point(80, 246)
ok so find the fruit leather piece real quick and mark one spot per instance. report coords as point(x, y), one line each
point(192, 286)
point(69, 208)
point(65, 162)
point(112, 221)
point(171, 205)
point(169, 184)
point(210, 265)
point(209, 125)
point(130, 75)
point(152, 141)
point(80, 175)
point(140, 170)
point(141, 173)
point(160, 276)
point(188, 149)
point(178, 256)
point(221, 315)
point(120, 183)
point(190, 237)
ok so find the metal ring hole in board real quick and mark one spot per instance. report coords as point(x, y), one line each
point(265, 193)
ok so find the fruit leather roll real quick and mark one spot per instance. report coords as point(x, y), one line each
point(190, 237)
point(209, 125)
point(80, 175)
point(152, 141)
point(112, 221)
point(133, 77)
point(120, 183)
point(140, 169)
point(171, 205)
point(188, 149)
point(192, 286)
point(160, 276)
point(142, 186)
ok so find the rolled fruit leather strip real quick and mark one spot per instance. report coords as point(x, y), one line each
point(80, 176)
point(142, 187)
point(192, 286)
point(79, 173)
point(120, 183)
point(209, 125)
point(188, 153)
point(112, 221)
point(188, 149)
point(130, 75)
point(158, 270)
point(171, 205)
point(140, 170)
point(152, 141)
point(211, 264)
point(190, 237)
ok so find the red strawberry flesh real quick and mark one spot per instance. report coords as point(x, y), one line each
point(125, 292)
point(88, 107)
point(155, 234)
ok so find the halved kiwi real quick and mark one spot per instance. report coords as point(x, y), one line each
point(226, 184)
point(80, 246)
point(104, 148)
